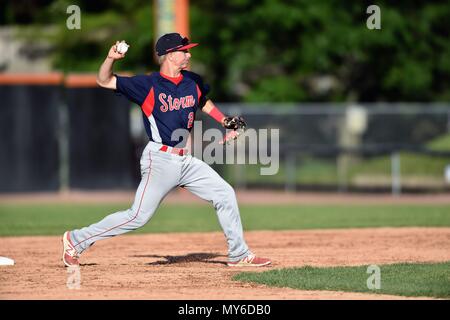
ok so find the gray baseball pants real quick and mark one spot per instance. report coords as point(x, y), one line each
point(161, 172)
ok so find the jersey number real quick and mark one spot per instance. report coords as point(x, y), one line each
point(190, 120)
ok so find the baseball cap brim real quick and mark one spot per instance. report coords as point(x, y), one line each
point(188, 46)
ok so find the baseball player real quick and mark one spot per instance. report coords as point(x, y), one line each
point(169, 100)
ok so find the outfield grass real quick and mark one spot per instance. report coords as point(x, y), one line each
point(40, 219)
point(405, 279)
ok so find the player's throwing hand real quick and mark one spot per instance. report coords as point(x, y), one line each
point(114, 53)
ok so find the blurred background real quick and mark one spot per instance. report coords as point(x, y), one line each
point(359, 109)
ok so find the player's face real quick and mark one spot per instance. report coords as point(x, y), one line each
point(181, 58)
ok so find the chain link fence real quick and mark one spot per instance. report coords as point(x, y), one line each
point(350, 147)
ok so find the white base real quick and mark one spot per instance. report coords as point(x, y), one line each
point(4, 261)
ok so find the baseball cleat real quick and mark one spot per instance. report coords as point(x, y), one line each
point(250, 261)
point(70, 255)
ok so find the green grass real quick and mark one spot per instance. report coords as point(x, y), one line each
point(46, 219)
point(308, 171)
point(410, 165)
point(312, 170)
point(441, 143)
point(413, 167)
point(404, 279)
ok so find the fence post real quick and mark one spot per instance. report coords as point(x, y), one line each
point(342, 172)
point(396, 173)
point(63, 141)
point(290, 172)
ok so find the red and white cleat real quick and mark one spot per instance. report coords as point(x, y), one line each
point(70, 255)
point(250, 261)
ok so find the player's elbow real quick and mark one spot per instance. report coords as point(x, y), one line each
point(108, 84)
point(101, 83)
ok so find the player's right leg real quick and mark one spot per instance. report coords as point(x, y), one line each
point(159, 176)
point(200, 179)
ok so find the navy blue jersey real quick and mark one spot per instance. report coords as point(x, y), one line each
point(166, 106)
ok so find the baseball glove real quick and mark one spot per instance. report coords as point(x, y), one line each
point(234, 123)
point(237, 125)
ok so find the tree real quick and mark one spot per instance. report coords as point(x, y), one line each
point(278, 51)
point(322, 50)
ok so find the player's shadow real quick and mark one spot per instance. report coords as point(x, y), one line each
point(191, 257)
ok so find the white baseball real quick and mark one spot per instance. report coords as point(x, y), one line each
point(122, 47)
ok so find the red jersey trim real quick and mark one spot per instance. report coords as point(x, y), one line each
point(149, 103)
point(199, 93)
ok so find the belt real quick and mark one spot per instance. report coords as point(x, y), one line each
point(178, 151)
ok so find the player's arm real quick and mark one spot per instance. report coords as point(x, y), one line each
point(236, 123)
point(105, 76)
point(210, 109)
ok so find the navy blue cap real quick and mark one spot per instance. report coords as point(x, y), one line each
point(172, 42)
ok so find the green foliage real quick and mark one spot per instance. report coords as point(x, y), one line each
point(279, 88)
point(102, 24)
point(403, 279)
point(274, 51)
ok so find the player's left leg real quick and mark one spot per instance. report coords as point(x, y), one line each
point(160, 174)
point(203, 181)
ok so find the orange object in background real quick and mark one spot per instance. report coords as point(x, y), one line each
point(31, 78)
point(182, 17)
point(81, 81)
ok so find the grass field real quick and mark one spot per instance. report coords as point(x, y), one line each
point(431, 280)
point(41, 219)
point(419, 280)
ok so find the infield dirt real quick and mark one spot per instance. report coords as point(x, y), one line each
point(192, 265)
